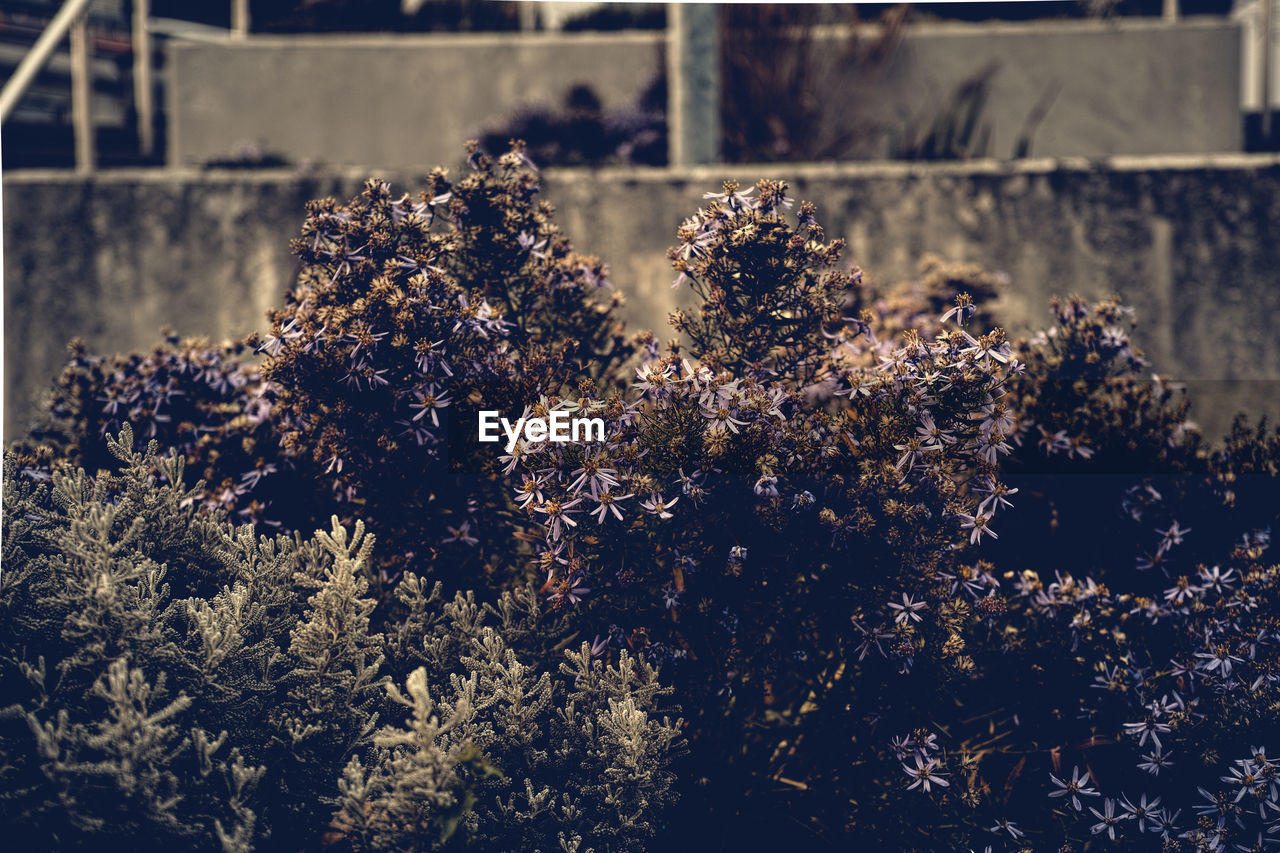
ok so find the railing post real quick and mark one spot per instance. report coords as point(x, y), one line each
point(528, 17)
point(142, 89)
point(1268, 42)
point(39, 54)
point(1170, 11)
point(81, 89)
point(693, 72)
point(239, 18)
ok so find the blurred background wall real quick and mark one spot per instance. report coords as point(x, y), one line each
point(386, 100)
point(1125, 87)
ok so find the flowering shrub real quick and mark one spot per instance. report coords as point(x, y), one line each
point(1176, 689)
point(407, 315)
point(411, 314)
point(796, 425)
point(848, 524)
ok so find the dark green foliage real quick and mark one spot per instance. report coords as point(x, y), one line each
point(515, 758)
point(506, 758)
point(108, 731)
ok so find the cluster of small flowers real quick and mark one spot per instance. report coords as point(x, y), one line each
point(1215, 628)
point(944, 291)
point(767, 292)
point(378, 329)
point(1225, 668)
point(580, 492)
point(1219, 613)
point(1240, 816)
point(935, 419)
point(926, 770)
point(208, 403)
point(1087, 391)
point(405, 310)
point(410, 310)
point(927, 421)
point(393, 318)
point(950, 393)
point(1146, 814)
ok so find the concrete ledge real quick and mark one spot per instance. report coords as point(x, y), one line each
point(702, 174)
point(441, 40)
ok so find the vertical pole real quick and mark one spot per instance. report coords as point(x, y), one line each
point(1268, 43)
point(528, 17)
point(81, 86)
point(693, 77)
point(239, 18)
point(142, 89)
point(1170, 11)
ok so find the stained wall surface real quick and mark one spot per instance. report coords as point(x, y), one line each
point(1073, 89)
point(392, 101)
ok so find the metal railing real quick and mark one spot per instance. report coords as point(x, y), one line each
point(71, 20)
point(1268, 41)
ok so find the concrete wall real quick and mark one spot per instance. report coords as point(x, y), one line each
point(1123, 87)
point(1192, 242)
point(1119, 87)
point(393, 101)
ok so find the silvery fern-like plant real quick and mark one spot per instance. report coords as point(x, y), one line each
point(172, 680)
point(499, 756)
point(111, 730)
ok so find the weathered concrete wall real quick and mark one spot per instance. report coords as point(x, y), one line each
point(1110, 87)
point(112, 259)
point(393, 101)
point(1192, 242)
point(1122, 87)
